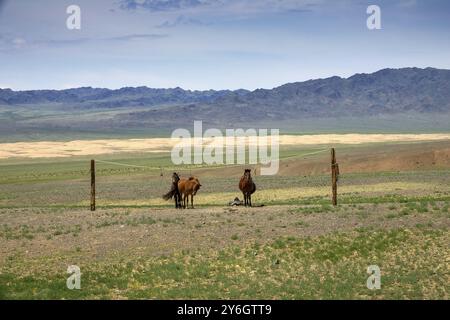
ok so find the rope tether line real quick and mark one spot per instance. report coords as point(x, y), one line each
point(126, 165)
point(305, 154)
point(190, 168)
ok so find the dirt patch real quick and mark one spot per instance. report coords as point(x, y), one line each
point(397, 157)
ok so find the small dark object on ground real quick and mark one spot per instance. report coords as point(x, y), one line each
point(236, 202)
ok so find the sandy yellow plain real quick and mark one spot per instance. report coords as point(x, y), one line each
point(58, 149)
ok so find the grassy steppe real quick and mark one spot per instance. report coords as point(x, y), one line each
point(296, 247)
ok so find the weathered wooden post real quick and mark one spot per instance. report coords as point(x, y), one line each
point(92, 185)
point(334, 176)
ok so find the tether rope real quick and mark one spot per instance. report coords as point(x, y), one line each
point(127, 165)
point(190, 168)
point(306, 154)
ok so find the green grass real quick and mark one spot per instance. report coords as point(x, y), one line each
point(22, 232)
point(326, 267)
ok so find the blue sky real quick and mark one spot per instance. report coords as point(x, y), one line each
point(213, 44)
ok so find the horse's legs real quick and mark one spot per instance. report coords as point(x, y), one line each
point(192, 201)
point(245, 199)
point(175, 197)
point(178, 200)
point(250, 199)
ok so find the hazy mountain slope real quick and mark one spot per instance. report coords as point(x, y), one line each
point(387, 92)
point(92, 97)
point(407, 98)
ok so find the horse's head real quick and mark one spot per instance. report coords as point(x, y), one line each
point(248, 174)
point(196, 188)
point(175, 177)
point(197, 185)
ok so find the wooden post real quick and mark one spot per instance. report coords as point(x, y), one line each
point(334, 176)
point(92, 185)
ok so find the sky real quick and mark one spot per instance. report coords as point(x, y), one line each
point(214, 44)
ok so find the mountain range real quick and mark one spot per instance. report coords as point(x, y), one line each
point(407, 95)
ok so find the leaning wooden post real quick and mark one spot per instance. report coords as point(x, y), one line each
point(334, 176)
point(92, 185)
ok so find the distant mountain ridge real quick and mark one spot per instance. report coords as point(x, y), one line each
point(385, 91)
point(116, 98)
point(388, 90)
point(397, 94)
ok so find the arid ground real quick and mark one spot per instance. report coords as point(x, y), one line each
point(394, 212)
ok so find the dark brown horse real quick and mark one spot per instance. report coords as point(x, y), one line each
point(247, 186)
point(189, 187)
point(174, 191)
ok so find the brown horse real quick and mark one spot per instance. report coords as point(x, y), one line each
point(174, 192)
point(188, 187)
point(247, 186)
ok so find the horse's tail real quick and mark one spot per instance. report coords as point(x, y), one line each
point(253, 187)
point(169, 195)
